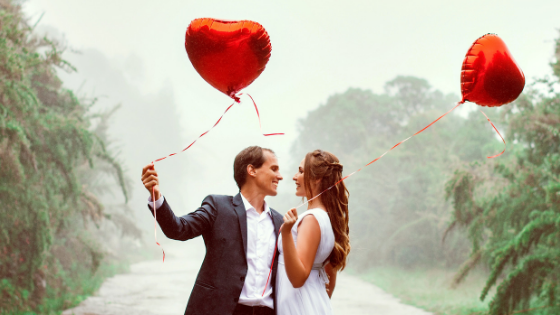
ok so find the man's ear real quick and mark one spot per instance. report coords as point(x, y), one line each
point(251, 170)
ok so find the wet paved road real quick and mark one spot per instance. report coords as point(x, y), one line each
point(156, 288)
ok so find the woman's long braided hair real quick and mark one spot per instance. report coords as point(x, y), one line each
point(325, 166)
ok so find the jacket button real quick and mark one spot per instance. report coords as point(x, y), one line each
point(242, 278)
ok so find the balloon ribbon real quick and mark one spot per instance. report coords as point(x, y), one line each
point(236, 100)
point(376, 159)
point(396, 145)
point(272, 263)
point(155, 220)
point(493, 156)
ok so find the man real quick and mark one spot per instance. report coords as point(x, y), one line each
point(240, 235)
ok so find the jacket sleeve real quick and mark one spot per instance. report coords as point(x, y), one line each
point(188, 226)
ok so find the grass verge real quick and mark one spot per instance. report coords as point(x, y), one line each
point(78, 283)
point(430, 289)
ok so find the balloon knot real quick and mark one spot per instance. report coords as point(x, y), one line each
point(235, 97)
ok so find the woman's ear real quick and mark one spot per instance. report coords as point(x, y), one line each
point(316, 185)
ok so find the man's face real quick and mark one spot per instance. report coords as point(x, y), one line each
point(268, 175)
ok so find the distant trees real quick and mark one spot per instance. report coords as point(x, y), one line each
point(53, 154)
point(507, 208)
point(510, 206)
point(397, 209)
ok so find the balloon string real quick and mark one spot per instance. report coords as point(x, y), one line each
point(271, 264)
point(155, 220)
point(375, 160)
point(259, 116)
point(172, 154)
point(217, 122)
point(236, 100)
point(493, 156)
point(203, 134)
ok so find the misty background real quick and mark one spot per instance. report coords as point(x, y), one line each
point(132, 53)
point(352, 77)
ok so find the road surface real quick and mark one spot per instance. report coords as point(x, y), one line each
point(156, 288)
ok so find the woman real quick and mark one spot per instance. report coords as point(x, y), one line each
point(314, 246)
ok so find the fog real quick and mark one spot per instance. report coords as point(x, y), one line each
point(132, 53)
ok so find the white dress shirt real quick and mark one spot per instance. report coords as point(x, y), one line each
point(261, 241)
point(159, 202)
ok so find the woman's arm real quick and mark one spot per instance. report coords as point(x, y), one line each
point(331, 273)
point(299, 261)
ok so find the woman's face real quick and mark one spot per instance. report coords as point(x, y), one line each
point(298, 178)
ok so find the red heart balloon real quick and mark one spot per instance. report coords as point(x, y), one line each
point(490, 76)
point(229, 55)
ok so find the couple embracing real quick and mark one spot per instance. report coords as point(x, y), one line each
point(238, 275)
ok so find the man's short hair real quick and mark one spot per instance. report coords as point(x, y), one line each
point(249, 156)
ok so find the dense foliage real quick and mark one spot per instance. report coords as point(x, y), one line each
point(53, 158)
point(510, 206)
point(397, 211)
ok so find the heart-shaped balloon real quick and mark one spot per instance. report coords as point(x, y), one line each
point(229, 55)
point(490, 76)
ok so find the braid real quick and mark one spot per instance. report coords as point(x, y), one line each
point(336, 166)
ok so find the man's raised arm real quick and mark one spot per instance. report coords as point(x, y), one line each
point(178, 228)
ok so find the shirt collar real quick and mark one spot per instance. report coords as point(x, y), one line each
point(249, 206)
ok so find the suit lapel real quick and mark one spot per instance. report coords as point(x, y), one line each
point(277, 220)
point(242, 217)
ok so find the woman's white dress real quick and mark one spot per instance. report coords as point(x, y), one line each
point(312, 297)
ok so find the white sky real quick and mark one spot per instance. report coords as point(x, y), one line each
point(318, 48)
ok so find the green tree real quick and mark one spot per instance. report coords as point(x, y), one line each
point(510, 206)
point(397, 211)
point(51, 150)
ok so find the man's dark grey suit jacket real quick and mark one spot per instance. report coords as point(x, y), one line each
point(222, 222)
